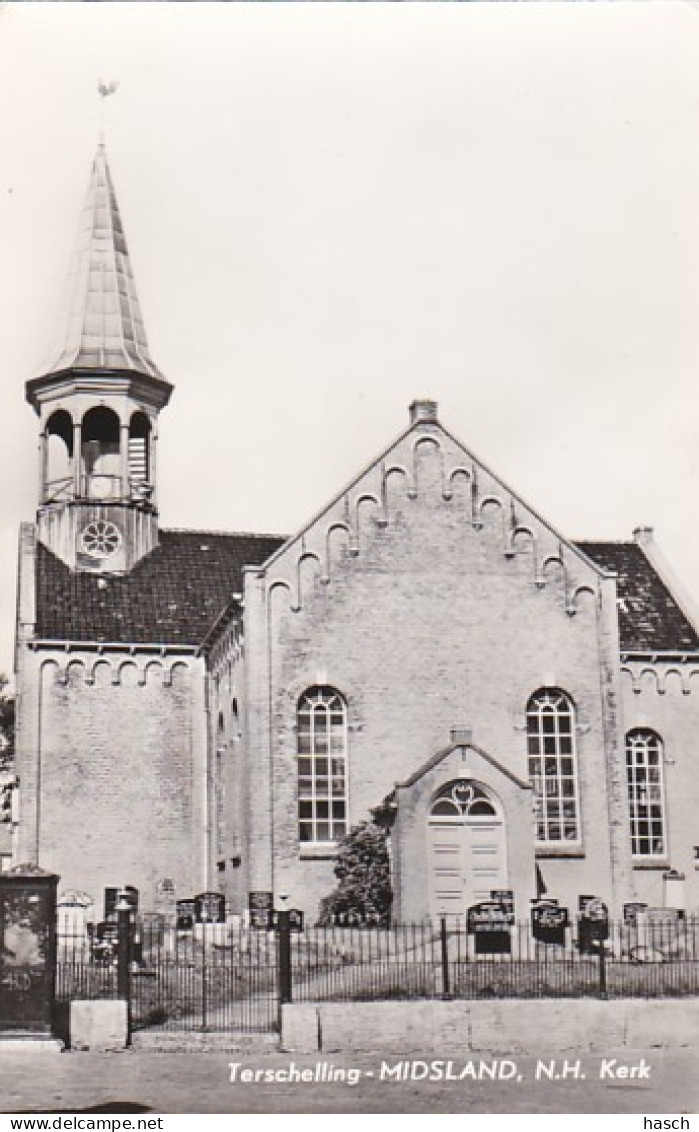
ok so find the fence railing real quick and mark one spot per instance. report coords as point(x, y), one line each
point(231, 977)
point(214, 977)
point(442, 960)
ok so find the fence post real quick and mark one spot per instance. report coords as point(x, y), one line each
point(446, 991)
point(123, 911)
point(204, 1004)
point(602, 969)
point(284, 955)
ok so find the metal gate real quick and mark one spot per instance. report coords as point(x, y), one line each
point(214, 977)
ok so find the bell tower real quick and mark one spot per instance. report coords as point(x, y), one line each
point(98, 401)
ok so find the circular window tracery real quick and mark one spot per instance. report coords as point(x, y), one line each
point(462, 799)
point(100, 538)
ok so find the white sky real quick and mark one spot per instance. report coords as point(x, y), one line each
point(334, 208)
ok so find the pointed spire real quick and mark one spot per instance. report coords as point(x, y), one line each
point(103, 326)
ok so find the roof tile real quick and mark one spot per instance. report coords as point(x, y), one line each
point(173, 596)
point(650, 619)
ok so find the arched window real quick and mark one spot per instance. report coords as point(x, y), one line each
point(139, 453)
point(321, 720)
point(644, 775)
point(552, 765)
point(462, 799)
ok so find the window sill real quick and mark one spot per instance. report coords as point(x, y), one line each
point(656, 864)
point(547, 852)
point(318, 851)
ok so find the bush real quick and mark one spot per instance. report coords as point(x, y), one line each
point(362, 867)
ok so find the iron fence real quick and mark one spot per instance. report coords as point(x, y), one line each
point(214, 977)
point(232, 978)
point(431, 960)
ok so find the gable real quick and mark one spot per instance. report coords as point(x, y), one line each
point(465, 748)
point(428, 468)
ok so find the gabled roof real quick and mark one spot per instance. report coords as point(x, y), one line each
point(650, 620)
point(173, 596)
point(103, 326)
point(439, 756)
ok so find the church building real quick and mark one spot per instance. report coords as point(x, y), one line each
point(215, 711)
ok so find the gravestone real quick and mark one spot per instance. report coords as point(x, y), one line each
point(489, 924)
point(210, 908)
point(27, 950)
point(549, 923)
point(112, 897)
point(185, 914)
point(593, 925)
point(261, 910)
point(505, 897)
point(74, 913)
point(165, 898)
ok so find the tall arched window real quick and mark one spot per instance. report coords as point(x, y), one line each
point(552, 765)
point(321, 720)
point(644, 775)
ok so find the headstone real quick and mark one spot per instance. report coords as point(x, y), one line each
point(489, 924)
point(27, 949)
point(505, 897)
point(549, 923)
point(261, 910)
point(73, 912)
point(631, 911)
point(295, 920)
point(210, 908)
point(659, 930)
point(185, 914)
point(130, 895)
point(593, 924)
point(113, 895)
point(105, 940)
point(165, 898)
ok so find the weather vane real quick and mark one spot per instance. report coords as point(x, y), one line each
point(105, 87)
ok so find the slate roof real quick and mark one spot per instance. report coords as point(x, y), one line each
point(650, 619)
point(173, 596)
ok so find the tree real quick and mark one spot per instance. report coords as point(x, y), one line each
point(7, 750)
point(362, 867)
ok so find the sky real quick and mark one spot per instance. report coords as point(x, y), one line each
point(332, 209)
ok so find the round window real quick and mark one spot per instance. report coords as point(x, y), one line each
point(100, 538)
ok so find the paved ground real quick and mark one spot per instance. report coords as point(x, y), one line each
point(199, 1082)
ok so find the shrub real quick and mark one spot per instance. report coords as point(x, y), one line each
point(363, 894)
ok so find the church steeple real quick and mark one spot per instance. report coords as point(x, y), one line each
point(103, 325)
point(98, 398)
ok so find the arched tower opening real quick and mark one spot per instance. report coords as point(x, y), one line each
point(101, 469)
point(58, 469)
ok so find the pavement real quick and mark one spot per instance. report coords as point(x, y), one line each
point(665, 1081)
